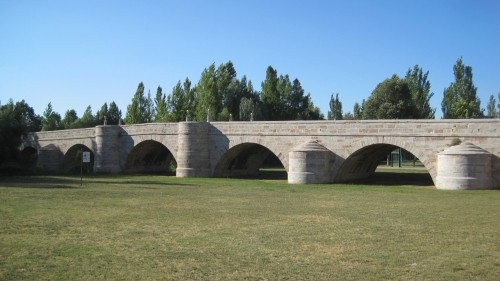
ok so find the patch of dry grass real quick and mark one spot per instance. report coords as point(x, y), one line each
point(164, 228)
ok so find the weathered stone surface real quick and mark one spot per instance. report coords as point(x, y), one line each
point(464, 166)
point(199, 147)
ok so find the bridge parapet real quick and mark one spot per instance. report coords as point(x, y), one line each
point(354, 146)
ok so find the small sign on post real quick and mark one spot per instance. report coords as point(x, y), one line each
point(86, 157)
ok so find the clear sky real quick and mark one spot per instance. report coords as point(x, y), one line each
point(88, 52)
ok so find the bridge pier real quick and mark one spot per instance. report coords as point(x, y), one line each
point(310, 163)
point(193, 152)
point(108, 148)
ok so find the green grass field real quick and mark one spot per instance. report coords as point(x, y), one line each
point(165, 228)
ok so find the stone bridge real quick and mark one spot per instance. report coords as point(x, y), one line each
point(310, 151)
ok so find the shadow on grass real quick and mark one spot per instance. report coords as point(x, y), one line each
point(390, 179)
point(48, 182)
point(70, 182)
point(267, 175)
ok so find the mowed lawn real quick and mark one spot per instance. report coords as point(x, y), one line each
point(166, 228)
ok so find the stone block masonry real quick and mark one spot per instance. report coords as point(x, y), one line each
point(310, 151)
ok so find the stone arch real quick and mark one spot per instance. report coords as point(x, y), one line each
point(72, 162)
point(244, 160)
point(50, 158)
point(150, 156)
point(367, 155)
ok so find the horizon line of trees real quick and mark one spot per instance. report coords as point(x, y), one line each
point(220, 96)
point(409, 98)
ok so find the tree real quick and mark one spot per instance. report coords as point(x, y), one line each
point(162, 114)
point(180, 101)
point(208, 98)
point(420, 92)
point(492, 107)
point(141, 109)
point(460, 99)
point(87, 120)
point(51, 120)
point(114, 114)
point(11, 131)
point(102, 115)
point(69, 120)
point(335, 112)
point(283, 99)
point(312, 112)
point(498, 105)
point(296, 103)
point(348, 116)
point(27, 117)
point(229, 89)
point(16, 120)
point(391, 99)
point(247, 108)
point(270, 95)
point(358, 110)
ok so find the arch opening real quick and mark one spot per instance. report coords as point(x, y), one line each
point(73, 160)
point(384, 164)
point(150, 157)
point(250, 160)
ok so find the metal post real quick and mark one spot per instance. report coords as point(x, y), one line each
point(81, 166)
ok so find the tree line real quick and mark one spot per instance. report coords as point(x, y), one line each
point(409, 98)
point(220, 96)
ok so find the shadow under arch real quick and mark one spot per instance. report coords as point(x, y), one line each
point(245, 160)
point(28, 158)
point(150, 157)
point(361, 166)
point(72, 162)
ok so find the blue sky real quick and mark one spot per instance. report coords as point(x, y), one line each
point(80, 53)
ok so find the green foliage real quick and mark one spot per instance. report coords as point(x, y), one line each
point(348, 116)
point(391, 99)
point(358, 110)
point(16, 120)
point(161, 112)
point(208, 98)
point(141, 110)
point(180, 101)
point(492, 107)
point(335, 112)
point(270, 95)
point(114, 114)
point(285, 100)
point(247, 107)
point(69, 120)
point(51, 120)
point(102, 115)
point(498, 105)
point(87, 120)
point(460, 98)
point(420, 93)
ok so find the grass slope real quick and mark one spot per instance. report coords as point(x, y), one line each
point(165, 228)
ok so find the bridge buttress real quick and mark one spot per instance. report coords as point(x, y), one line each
point(108, 148)
point(193, 153)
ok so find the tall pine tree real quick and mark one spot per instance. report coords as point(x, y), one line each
point(141, 109)
point(460, 98)
point(335, 112)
